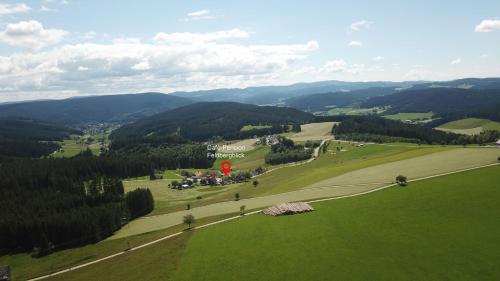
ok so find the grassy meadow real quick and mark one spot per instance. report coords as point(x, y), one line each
point(470, 126)
point(444, 228)
point(410, 116)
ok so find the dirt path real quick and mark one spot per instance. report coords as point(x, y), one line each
point(251, 213)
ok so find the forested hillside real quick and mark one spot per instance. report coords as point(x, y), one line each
point(321, 102)
point(448, 103)
point(204, 120)
point(378, 129)
point(29, 138)
point(113, 108)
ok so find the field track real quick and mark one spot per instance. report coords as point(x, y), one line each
point(251, 213)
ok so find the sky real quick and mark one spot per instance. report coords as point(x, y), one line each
point(52, 49)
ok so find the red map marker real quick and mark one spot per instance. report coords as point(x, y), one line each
point(225, 167)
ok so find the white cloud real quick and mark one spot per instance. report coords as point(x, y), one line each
point(378, 58)
point(129, 65)
point(7, 9)
point(359, 25)
point(47, 9)
point(335, 66)
point(30, 34)
point(456, 61)
point(355, 44)
point(199, 15)
point(488, 26)
point(188, 37)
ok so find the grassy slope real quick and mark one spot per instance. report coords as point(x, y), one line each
point(470, 123)
point(410, 116)
point(165, 255)
point(439, 229)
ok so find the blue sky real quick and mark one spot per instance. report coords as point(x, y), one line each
point(62, 48)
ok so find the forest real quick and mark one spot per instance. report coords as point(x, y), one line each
point(287, 151)
point(51, 204)
point(204, 120)
point(379, 129)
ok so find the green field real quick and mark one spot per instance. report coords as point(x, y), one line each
point(23, 266)
point(414, 117)
point(444, 228)
point(251, 127)
point(353, 111)
point(440, 229)
point(470, 126)
point(76, 144)
point(253, 159)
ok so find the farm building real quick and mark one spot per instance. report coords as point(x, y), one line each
point(288, 209)
point(5, 273)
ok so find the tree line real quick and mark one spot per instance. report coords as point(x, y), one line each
point(287, 151)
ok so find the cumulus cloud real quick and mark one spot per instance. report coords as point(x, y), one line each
point(8, 9)
point(378, 58)
point(488, 26)
point(31, 35)
point(359, 25)
point(131, 65)
point(199, 15)
point(456, 61)
point(355, 44)
point(189, 37)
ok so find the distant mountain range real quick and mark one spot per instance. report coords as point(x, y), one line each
point(203, 120)
point(276, 95)
point(311, 97)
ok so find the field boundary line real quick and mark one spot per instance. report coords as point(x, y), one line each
point(250, 213)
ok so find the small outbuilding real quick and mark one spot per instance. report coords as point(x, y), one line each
point(5, 273)
point(498, 143)
point(288, 209)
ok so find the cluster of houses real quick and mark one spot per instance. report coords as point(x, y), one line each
point(213, 178)
point(268, 140)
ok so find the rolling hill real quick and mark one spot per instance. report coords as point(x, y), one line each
point(113, 108)
point(447, 103)
point(203, 120)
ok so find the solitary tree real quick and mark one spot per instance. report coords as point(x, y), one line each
point(255, 183)
point(188, 206)
point(242, 210)
point(401, 180)
point(498, 159)
point(237, 196)
point(188, 219)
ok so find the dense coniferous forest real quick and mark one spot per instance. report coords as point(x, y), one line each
point(379, 129)
point(28, 138)
point(202, 121)
point(51, 204)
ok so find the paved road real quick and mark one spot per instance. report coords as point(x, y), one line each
point(350, 183)
point(236, 217)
